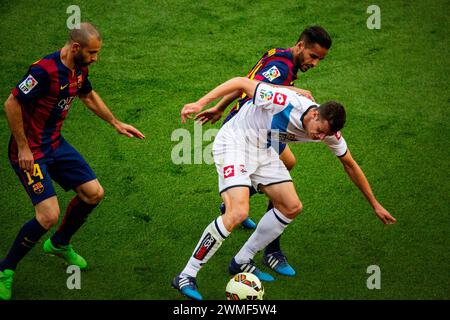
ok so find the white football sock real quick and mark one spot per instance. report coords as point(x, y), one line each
point(210, 241)
point(269, 228)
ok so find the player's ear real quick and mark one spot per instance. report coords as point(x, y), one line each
point(301, 45)
point(75, 47)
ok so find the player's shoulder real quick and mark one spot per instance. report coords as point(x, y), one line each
point(279, 54)
point(283, 52)
point(275, 67)
point(47, 64)
point(279, 61)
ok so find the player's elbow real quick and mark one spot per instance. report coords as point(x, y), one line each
point(87, 98)
point(84, 98)
point(245, 85)
point(241, 82)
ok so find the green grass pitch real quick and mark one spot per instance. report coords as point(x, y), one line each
point(158, 55)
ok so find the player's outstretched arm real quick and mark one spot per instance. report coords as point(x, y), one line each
point(359, 179)
point(303, 92)
point(93, 101)
point(14, 115)
point(235, 84)
point(215, 113)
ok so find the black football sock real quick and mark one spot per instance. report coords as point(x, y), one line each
point(29, 234)
point(76, 215)
point(274, 246)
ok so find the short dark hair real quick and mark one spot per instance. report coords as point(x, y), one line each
point(315, 34)
point(84, 33)
point(334, 113)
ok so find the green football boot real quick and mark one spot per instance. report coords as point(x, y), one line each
point(6, 280)
point(67, 253)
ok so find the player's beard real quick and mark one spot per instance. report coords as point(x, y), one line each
point(305, 67)
point(80, 61)
point(300, 63)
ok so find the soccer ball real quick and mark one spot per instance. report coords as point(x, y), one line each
point(244, 286)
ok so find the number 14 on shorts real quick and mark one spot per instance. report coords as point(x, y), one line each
point(36, 173)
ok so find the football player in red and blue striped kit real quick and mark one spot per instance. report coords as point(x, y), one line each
point(279, 67)
point(38, 153)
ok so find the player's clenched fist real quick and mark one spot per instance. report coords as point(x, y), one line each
point(190, 109)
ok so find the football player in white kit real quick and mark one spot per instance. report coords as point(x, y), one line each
point(244, 155)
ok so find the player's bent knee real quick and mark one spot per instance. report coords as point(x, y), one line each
point(236, 216)
point(241, 215)
point(293, 210)
point(48, 218)
point(100, 194)
point(94, 197)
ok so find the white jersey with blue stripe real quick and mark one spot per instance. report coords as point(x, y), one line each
point(275, 114)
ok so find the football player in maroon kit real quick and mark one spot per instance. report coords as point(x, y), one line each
point(38, 153)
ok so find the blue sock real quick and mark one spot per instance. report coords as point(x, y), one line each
point(27, 237)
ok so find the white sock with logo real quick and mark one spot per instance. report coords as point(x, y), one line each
point(269, 228)
point(211, 239)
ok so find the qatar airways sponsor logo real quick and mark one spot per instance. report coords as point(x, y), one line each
point(64, 104)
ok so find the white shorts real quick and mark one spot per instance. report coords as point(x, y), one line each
point(244, 165)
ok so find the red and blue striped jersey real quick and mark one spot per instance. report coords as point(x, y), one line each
point(275, 66)
point(45, 94)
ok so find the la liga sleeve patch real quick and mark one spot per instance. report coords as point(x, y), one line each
point(28, 84)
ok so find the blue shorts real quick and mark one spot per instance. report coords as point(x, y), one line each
point(280, 145)
point(64, 165)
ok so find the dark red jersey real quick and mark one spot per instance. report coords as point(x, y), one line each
point(275, 66)
point(45, 94)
